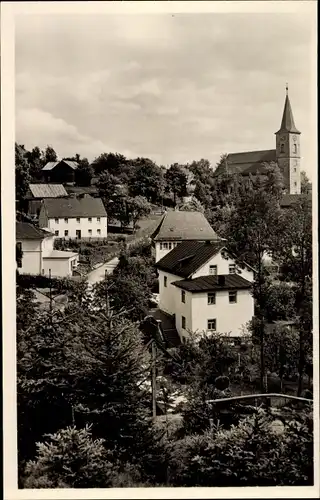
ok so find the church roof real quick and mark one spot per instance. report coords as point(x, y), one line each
point(287, 123)
point(247, 162)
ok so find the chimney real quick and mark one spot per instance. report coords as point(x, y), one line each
point(221, 280)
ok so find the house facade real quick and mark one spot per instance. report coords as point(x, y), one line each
point(62, 172)
point(204, 290)
point(178, 226)
point(83, 217)
point(38, 254)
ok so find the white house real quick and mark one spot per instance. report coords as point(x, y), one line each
point(82, 217)
point(178, 226)
point(203, 288)
point(38, 254)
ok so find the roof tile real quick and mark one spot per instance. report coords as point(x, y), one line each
point(183, 225)
point(186, 258)
point(211, 283)
point(74, 207)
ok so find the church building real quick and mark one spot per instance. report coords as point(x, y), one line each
point(286, 155)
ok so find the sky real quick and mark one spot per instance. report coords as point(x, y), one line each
point(174, 88)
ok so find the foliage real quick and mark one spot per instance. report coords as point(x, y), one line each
point(36, 163)
point(147, 180)
point(107, 186)
point(279, 303)
point(192, 206)
point(137, 208)
point(70, 459)
point(86, 371)
point(22, 174)
point(84, 172)
point(176, 179)
point(253, 453)
point(49, 155)
point(111, 163)
point(306, 186)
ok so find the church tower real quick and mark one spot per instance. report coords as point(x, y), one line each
point(288, 150)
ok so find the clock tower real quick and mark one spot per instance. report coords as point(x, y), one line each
point(288, 150)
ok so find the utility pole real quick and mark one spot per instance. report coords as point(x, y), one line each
point(107, 293)
point(154, 380)
point(50, 296)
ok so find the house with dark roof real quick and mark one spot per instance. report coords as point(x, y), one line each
point(203, 289)
point(178, 226)
point(82, 217)
point(38, 255)
point(37, 192)
point(286, 154)
point(61, 172)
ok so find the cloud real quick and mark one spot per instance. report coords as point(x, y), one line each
point(173, 88)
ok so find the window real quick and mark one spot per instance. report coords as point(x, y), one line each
point(183, 296)
point(211, 298)
point(232, 269)
point(165, 245)
point(282, 148)
point(56, 233)
point(66, 220)
point(66, 233)
point(90, 232)
point(294, 169)
point(165, 280)
point(183, 322)
point(98, 219)
point(56, 221)
point(89, 219)
point(78, 220)
point(295, 184)
point(99, 231)
point(232, 297)
point(212, 325)
point(169, 245)
point(294, 148)
point(213, 270)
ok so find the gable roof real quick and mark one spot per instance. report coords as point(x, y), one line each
point(187, 257)
point(52, 164)
point(74, 207)
point(246, 162)
point(47, 190)
point(176, 225)
point(211, 283)
point(27, 231)
point(287, 123)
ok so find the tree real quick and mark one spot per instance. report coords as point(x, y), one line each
point(107, 186)
point(84, 172)
point(82, 368)
point(113, 163)
point(252, 231)
point(193, 205)
point(147, 180)
point(36, 163)
point(252, 453)
point(295, 256)
point(137, 208)
point(306, 186)
point(22, 174)
point(71, 458)
point(176, 178)
point(49, 155)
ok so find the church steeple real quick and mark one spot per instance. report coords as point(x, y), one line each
point(287, 123)
point(288, 150)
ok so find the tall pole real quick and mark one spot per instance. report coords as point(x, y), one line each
point(50, 295)
point(154, 381)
